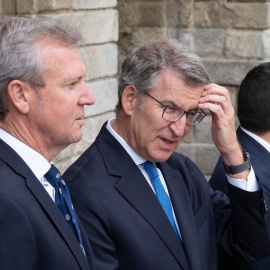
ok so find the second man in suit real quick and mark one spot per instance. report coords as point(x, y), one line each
point(145, 207)
point(253, 112)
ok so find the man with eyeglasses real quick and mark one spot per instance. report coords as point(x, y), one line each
point(145, 207)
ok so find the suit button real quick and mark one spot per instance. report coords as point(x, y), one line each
point(265, 206)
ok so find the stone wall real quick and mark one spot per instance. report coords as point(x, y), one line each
point(230, 36)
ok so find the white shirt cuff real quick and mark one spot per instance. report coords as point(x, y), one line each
point(250, 185)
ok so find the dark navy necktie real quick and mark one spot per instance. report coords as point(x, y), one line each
point(162, 196)
point(63, 201)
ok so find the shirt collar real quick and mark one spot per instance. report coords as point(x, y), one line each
point(36, 162)
point(261, 141)
point(135, 156)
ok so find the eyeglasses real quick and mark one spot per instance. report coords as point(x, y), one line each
point(173, 114)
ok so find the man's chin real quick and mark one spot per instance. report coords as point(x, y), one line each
point(77, 137)
point(161, 157)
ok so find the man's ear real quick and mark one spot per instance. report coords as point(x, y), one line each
point(129, 98)
point(18, 93)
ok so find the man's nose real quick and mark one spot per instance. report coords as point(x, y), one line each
point(88, 97)
point(178, 127)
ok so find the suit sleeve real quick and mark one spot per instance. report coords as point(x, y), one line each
point(241, 222)
point(248, 231)
point(218, 180)
point(97, 225)
point(17, 244)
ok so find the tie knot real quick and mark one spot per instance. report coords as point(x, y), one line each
point(151, 169)
point(53, 176)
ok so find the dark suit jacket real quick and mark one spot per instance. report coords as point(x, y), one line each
point(128, 228)
point(33, 233)
point(260, 159)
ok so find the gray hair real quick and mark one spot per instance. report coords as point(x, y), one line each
point(19, 57)
point(145, 62)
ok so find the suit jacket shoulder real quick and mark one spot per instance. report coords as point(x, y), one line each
point(32, 227)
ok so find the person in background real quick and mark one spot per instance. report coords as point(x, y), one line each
point(143, 205)
point(42, 98)
point(253, 112)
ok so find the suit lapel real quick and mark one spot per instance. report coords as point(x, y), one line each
point(134, 188)
point(260, 158)
point(183, 212)
point(57, 218)
point(254, 148)
point(46, 203)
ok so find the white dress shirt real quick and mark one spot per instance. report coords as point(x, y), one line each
point(36, 162)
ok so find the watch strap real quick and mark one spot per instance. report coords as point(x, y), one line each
point(239, 168)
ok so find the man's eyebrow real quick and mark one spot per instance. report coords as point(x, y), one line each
point(174, 105)
point(171, 102)
point(74, 79)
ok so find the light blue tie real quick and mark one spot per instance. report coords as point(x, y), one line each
point(162, 196)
